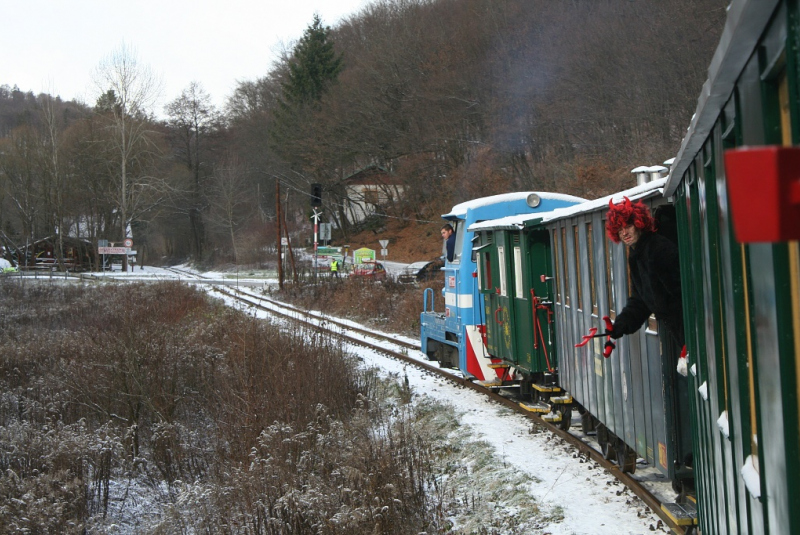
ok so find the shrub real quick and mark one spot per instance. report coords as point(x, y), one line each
point(224, 422)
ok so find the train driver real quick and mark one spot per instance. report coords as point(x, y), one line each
point(654, 273)
point(449, 246)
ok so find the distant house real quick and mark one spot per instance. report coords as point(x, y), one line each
point(369, 189)
point(79, 255)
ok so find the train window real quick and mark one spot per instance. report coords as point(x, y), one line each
point(479, 270)
point(460, 231)
point(783, 101)
point(501, 261)
point(556, 256)
point(519, 291)
point(610, 295)
point(628, 271)
point(487, 271)
point(577, 248)
point(590, 252)
point(566, 265)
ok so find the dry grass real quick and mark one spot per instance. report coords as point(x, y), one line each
point(387, 305)
point(250, 429)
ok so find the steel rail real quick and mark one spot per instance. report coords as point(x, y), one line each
point(631, 483)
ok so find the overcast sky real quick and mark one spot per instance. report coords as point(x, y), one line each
point(54, 46)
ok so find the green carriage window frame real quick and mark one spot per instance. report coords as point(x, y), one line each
point(577, 249)
point(556, 273)
point(590, 259)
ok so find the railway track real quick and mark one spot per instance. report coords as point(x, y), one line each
point(400, 351)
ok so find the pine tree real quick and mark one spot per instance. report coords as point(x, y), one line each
point(310, 72)
point(314, 66)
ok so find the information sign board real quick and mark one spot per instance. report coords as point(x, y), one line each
point(112, 250)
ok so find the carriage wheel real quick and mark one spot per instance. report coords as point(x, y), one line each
point(566, 417)
point(604, 438)
point(626, 458)
point(587, 423)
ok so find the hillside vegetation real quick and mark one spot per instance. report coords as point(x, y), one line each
point(454, 99)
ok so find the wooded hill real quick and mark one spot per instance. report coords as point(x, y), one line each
point(455, 99)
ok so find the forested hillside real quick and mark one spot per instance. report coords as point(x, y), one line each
point(453, 99)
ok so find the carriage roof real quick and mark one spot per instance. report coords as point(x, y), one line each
point(646, 190)
point(459, 211)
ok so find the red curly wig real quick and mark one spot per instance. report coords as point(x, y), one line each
point(627, 213)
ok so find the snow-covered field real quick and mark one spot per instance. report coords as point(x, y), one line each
point(508, 473)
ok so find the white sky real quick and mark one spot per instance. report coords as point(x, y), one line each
point(54, 46)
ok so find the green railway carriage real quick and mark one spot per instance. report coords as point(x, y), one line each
point(739, 219)
point(518, 313)
point(634, 397)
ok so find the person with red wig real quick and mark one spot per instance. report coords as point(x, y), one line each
point(654, 271)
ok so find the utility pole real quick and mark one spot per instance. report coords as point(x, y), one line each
point(278, 231)
point(289, 244)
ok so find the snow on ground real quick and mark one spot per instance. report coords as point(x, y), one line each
point(572, 494)
point(592, 502)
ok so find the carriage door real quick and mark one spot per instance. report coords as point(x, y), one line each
point(503, 314)
point(522, 303)
point(534, 323)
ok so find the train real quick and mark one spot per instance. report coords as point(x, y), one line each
point(454, 337)
point(727, 434)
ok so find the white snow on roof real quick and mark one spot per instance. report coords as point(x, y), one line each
point(461, 209)
point(648, 189)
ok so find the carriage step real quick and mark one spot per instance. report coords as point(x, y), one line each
point(498, 384)
point(561, 400)
point(552, 417)
point(539, 406)
point(498, 365)
point(683, 514)
point(490, 384)
point(545, 388)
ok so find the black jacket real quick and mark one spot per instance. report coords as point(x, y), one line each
point(450, 247)
point(656, 287)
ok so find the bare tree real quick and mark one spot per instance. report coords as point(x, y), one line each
point(53, 174)
point(232, 202)
point(192, 118)
point(128, 91)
